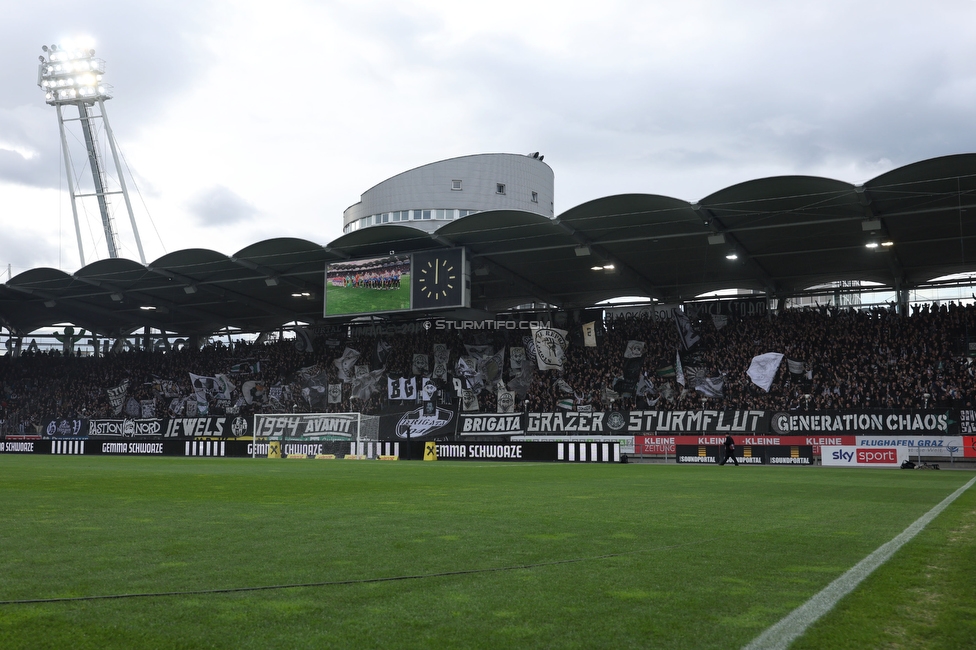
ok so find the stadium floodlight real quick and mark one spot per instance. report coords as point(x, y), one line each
point(72, 76)
point(69, 75)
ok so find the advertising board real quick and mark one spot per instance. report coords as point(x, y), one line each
point(746, 454)
point(869, 457)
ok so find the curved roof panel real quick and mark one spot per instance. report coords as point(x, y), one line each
point(787, 233)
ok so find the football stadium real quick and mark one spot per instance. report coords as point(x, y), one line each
point(470, 422)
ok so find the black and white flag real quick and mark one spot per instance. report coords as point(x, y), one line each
point(686, 333)
point(421, 364)
point(522, 381)
point(402, 388)
point(505, 401)
point(345, 364)
point(564, 387)
point(634, 349)
point(490, 367)
point(335, 393)
point(116, 396)
point(644, 387)
point(478, 351)
point(303, 341)
point(315, 390)
point(589, 334)
point(466, 369)
point(469, 400)
point(516, 357)
point(711, 387)
point(380, 355)
point(132, 407)
point(550, 347)
point(442, 357)
point(366, 384)
point(694, 375)
point(763, 369)
point(427, 389)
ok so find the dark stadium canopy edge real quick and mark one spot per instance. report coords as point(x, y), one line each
point(789, 232)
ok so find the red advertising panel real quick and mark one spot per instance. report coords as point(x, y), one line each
point(660, 445)
point(969, 446)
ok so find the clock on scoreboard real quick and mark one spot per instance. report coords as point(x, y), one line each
point(438, 279)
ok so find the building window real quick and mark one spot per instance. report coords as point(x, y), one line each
point(535, 197)
point(456, 185)
point(499, 188)
point(426, 214)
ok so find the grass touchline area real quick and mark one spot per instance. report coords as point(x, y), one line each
point(688, 556)
point(332, 583)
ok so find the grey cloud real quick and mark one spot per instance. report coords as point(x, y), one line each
point(153, 52)
point(220, 206)
point(38, 171)
point(25, 250)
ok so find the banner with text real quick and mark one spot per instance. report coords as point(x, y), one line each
point(746, 454)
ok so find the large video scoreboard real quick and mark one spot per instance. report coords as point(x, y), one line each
point(437, 279)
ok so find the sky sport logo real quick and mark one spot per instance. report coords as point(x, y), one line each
point(877, 456)
point(485, 324)
point(847, 456)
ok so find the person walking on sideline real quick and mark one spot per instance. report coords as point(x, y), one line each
point(729, 451)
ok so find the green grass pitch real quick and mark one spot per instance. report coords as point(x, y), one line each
point(357, 300)
point(613, 556)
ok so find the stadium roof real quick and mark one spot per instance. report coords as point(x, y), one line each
point(789, 232)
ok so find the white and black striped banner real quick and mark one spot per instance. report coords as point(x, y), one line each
point(588, 452)
point(68, 447)
point(375, 449)
point(205, 448)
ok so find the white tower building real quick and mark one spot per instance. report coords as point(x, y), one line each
point(428, 196)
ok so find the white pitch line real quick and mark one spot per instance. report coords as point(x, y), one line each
point(783, 633)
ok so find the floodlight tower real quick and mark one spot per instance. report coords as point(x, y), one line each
point(73, 77)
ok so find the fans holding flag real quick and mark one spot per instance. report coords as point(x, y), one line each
point(550, 347)
point(686, 333)
point(762, 370)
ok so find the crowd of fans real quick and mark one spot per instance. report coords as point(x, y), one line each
point(842, 359)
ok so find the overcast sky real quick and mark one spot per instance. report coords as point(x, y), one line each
point(243, 120)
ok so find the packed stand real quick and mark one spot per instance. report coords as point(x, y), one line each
point(832, 359)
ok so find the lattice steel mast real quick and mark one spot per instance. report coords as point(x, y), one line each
point(74, 77)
